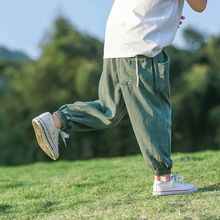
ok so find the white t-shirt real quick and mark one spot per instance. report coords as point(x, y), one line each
point(141, 27)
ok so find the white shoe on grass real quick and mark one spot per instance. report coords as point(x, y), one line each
point(48, 135)
point(173, 187)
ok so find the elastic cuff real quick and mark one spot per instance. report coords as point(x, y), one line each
point(162, 172)
point(63, 119)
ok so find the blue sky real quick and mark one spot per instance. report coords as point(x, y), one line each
point(23, 23)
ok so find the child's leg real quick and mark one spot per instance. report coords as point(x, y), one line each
point(146, 91)
point(99, 114)
point(83, 116)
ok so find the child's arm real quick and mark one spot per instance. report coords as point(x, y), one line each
point(198, 5)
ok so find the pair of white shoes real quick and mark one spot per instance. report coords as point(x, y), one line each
point(48, 139)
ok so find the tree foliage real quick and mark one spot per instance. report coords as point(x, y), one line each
point(69, 69)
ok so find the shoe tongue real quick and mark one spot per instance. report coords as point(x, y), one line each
point(177, 178)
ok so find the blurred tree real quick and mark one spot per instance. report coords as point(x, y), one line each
point(197, 100)
point(194, 38)
point(190, 109)
point(69, 69)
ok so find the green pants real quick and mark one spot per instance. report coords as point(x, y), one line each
point(140, 87)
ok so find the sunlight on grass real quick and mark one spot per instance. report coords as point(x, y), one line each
point(108, 189)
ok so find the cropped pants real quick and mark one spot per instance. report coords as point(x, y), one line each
point(140, 87)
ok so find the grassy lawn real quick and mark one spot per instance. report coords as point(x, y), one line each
point(118, 188)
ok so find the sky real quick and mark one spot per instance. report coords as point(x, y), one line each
point(24, 23)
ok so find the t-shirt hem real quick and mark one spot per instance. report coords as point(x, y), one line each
point(127, 55)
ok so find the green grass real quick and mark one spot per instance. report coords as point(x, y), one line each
point(118, 188)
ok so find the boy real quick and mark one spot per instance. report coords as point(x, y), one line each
point(135, 79)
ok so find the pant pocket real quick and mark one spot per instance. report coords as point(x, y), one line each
point(162, 77)
point(138, 68)
point(142, 69)
point(146, 74)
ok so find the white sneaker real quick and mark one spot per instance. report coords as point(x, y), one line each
point(173, 187)
point(48, 135)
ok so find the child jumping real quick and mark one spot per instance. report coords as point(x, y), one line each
point(134, 80)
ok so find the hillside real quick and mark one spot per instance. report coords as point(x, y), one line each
point(17, 56)
point(108, 189)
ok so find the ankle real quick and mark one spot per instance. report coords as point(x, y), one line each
point(163, 178)
point(57, 121)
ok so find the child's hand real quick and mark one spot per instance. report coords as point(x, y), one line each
point(181, 20)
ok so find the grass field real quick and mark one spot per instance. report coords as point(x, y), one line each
point(118, 188)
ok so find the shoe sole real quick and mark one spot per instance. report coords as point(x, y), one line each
point(175, 192)
point(43, 138)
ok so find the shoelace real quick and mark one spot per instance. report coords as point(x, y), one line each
point(177, 178)
point(64, 136)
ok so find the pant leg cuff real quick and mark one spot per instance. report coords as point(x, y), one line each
point(162, 172)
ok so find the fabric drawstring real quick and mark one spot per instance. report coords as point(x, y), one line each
point(64, 136)
point(137, 74)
